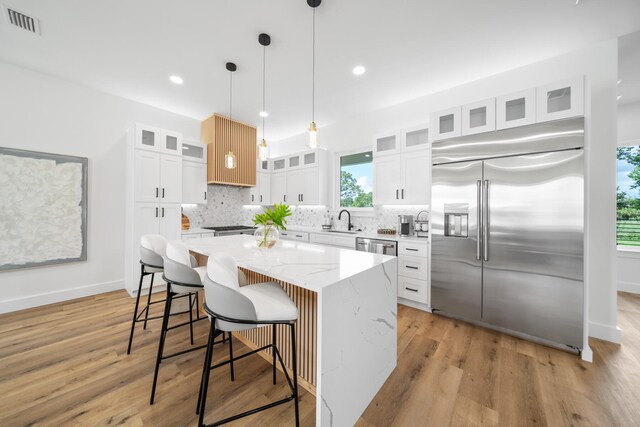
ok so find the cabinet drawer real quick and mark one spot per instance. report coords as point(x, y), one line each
point(325, 239)
point(295, 235)
point(413, 249)
point(413, 289)
point(415, 267)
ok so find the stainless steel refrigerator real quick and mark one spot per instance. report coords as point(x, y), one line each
point(507, 230)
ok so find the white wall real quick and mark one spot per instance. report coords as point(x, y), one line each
point(599, 64)
point(628, 260)
point(44, 113)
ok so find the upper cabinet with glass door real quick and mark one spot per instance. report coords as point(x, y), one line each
point(479, 117)
point(147, 137)
point(171, 142)
point(385, 144)
point(415, 138)
point(279, 164)
point(194, 151)
point(446, 124)
point(516, 109)
point(560, 100)
point(263, 165)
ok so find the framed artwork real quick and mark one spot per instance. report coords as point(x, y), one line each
point(43, 209)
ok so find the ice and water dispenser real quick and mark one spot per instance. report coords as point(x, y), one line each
point(456, 219)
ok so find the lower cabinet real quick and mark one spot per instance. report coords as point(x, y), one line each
point(413, 271)
point(158, 218)
point(332, 240)
point(300, 236)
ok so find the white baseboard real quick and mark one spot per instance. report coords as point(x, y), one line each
point(605, 332)
point(37, 300)
point(632, 287)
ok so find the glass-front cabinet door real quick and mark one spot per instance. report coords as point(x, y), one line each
point(147, 137)
point(560, 100)
point(388, 143)
point(445, 124)
point(309, 159)
point(279, 164)
point(171, 143)
point(194, 151)
point(294, 161)
point(516, 109)
point(479, 117)
point(415, 138)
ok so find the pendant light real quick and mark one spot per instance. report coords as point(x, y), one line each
point(313, 131)
point(263, 149)
point(230, 158)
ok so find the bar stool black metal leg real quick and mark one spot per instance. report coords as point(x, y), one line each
point(197, 307)
point(231, 356)
point(191, 317)
point(146, 315)
point(294, 364)
point(273, 351)
point(204, 384)
point(135, 312)
point(163, 334)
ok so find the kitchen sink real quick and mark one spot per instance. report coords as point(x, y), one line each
point(342, 232)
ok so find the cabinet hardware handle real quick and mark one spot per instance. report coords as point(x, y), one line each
point(411, 267)
point(162, 212)
point(479, 214)
point(252, 197)
point(402, 192)
point(485, 222)
point(411, 289)
point(397, 194)
point(163, 192)
point(302, 197)
point(205, 195)
point(157, 192)
point(285, 197)
point(156, 212)
point(412, 249)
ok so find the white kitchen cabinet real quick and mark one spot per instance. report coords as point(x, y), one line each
point(446, 124)
point(194, 152)
point(194, 182)
point(170, 179)
point(332, 239)
point(386, 144)
point(295, 186)
point(516, 109)
point(415, 186)
point(387, 180)
point(414, 138)
point(413, 271)
point(279, 164)
point(147, 180)
point(170, 221)
point(147, 137)
point(310, 158)
point(310, 188)
point(171, 142)
point(560, 100)
point(263, 166)
point(264, 194)
point(300, 236)
point(479, 117)
point(146, 219)
point(413, 289)
point(279, 188)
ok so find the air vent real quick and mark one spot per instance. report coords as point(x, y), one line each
point(21, 20)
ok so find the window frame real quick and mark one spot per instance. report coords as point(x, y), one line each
point(625, 248)
point(336, 182)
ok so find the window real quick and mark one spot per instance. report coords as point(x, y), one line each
point(356, 180)
point(628, 196)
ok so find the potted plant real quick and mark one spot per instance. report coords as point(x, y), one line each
point(269, 222)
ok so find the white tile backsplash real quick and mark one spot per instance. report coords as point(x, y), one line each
point(226, 207)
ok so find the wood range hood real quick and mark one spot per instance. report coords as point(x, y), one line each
point(222, 134)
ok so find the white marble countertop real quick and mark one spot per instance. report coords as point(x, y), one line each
point(366, 234)
point(196, 230)
point(306, 265)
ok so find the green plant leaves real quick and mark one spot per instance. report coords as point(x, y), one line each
point(277, 216)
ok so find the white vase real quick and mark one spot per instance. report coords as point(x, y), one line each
point(266, 236)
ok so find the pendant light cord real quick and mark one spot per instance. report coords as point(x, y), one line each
point(313, 69)
point(264, 67)
point(230, 93)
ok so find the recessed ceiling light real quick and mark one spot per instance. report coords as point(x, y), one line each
point(618, 98)
point(359, 70)
point(264, 114)
point(176, 79)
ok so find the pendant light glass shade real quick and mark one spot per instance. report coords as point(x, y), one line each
point(313, 136)
point(230, 160)
point(263, 150)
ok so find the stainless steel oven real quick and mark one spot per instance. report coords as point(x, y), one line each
point(377, 246)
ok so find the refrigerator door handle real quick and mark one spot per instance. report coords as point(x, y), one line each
point(485, 221)
point(479, 207)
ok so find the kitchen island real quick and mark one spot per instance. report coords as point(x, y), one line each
point(347, 325)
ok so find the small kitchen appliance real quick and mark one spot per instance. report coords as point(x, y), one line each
point(422, 224)
point(405, 225)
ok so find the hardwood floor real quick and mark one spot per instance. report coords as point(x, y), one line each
point(66, 364)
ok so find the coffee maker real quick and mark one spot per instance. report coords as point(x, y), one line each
point(405, 225)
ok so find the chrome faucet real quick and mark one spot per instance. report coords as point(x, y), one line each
point(349, 225)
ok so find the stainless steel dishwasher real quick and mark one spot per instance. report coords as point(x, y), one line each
point(377, 246)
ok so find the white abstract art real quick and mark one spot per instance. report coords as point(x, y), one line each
point(43, 209)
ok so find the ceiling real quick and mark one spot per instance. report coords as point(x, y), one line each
point(629, 68)
point(410, 48)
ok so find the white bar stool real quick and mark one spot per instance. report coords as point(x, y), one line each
point(233, 308)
